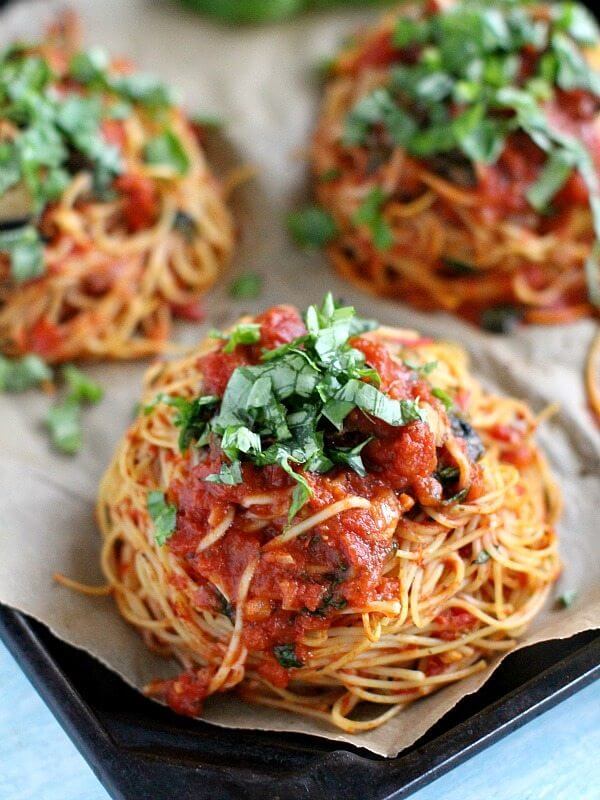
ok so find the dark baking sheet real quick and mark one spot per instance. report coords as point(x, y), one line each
point(140, 750)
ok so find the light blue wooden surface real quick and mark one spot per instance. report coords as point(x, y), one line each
point(555, 757)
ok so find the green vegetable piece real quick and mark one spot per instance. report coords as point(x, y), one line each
point(370, 214)
point(443, 396)
point(244, 333)
point(501, 319)
point(286, 655)
point(312, 227)
point(228, 475)
point(567, 598)
point(167, 150)
point(64, 424)
point(247, 286)
point(82, 388)
point(552, 178)
point(20, 374)
point(482, 557)
point(26, 253)
point(163, 515)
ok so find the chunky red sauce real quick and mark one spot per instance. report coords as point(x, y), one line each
point(301, 584)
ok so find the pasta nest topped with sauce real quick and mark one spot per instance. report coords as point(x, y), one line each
point(324, 514)
point(111, 222)
point(456, 161)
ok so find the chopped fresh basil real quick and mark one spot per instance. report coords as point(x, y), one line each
point(289, 409)
point(552, 178)
point(350, 456)
point(482, 557)
point(167, 150)
point(443, 396)
point(163, 515)
point(64, 424)
point(186, 225)
point(567, 598)
point(312, 227)
point(501, 319)
point(247, 286)
point(81, 388)
point(228, 475)
point(286, 655)
point(10, 168)
point(422, 369)
point(447, 474)
point(244, 333)
point(460, 267)
point(20, 374)
point(370, 214)
point(191, 416)
point(25, 251)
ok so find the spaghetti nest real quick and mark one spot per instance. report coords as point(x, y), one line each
point(391, 540)
point(111, 222)
point(458, 157)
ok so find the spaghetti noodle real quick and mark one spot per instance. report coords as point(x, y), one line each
point(326, 518)
point(457, 154)
point(111, 222)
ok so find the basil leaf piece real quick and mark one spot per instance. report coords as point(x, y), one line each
point(228, 475)
point(64, 424)
point(25, 251)
point(20, 374)
point(567, 598)
point(244, 333)
point(10, 168)
point(350, 456)
point(370, 213)
point(443, 396)
point(163, 515)
point(167, 150)
point(312, 227)
point(286, 655)
point(552, 178)
point(82, 388)
point(482, 557)
point(247, 286)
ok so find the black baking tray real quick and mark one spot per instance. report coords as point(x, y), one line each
point(141, 750)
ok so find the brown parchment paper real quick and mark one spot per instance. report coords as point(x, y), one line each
point(261, 81)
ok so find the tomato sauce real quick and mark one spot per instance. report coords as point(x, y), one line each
point(140, 201)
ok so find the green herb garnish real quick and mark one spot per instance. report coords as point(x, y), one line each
point(567, 598)
point(370, 214)
point(482, 557)
point(480, 73)
point(81, 387)
point(286, 655)
point(25, 251)
point(312, 227)
point(167, 150)
point(64, 417)
point(20, 374)
point(64, 424)
point(247, 286)
point(444, 397)
point(289, 409)
point(163, 515)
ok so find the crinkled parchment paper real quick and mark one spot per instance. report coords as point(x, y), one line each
point(261, 81)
